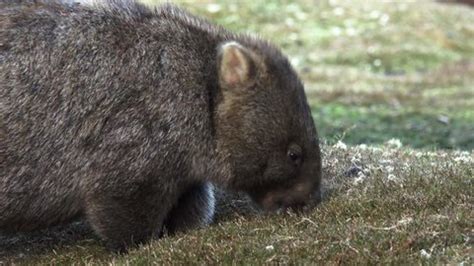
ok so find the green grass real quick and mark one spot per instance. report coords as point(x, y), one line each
point(396, 77)
point(378, 123)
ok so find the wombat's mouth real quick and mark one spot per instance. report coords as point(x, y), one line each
point(280, 205)
point(286, 201)
point(297, 208)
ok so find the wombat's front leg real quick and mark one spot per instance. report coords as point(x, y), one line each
point(126, 221)
point(194, 208)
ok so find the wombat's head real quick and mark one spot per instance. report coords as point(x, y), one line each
point(264, 126)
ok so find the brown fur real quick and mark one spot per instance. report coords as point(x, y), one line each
point(126, 116)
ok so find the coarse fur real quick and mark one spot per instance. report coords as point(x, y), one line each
point(127, 116)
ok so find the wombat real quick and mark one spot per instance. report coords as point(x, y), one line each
point(128, 116)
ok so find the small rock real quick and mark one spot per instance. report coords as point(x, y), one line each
point(269, 248)
point(443, 119)
point(425, 254)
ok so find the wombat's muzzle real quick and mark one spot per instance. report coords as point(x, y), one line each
point(293, 201)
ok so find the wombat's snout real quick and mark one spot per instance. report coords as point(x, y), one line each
point(284, 200)
point(274, 203)
point(294, 198)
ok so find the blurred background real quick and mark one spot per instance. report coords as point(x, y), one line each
point(373, 70)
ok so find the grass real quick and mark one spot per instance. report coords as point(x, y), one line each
point(391, 85)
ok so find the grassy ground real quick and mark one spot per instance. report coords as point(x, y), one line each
point(392, 90)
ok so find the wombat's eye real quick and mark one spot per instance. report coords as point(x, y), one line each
point(295, 154)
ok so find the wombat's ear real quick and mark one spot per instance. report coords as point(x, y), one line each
point(237, 66)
